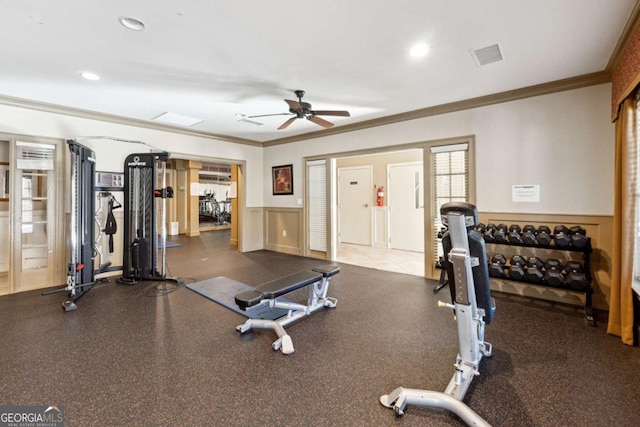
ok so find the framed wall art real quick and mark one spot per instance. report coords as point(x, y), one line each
point(282, 179)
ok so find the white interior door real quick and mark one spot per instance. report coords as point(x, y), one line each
point(354, 205)
point(406, 206)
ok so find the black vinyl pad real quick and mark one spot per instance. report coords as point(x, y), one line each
point(284, 285)
point(328, 270)
point(481, 281)
point(248, 299)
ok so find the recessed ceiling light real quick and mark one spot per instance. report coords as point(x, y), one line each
point(88, 75)
point(419, 50)
point(131, 23)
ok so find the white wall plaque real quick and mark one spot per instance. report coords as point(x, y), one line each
point(525, 193)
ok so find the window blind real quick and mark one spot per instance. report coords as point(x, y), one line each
point(450, 182)
point(317, 178)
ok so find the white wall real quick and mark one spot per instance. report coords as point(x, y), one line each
point(110, 155)
point(564, 142)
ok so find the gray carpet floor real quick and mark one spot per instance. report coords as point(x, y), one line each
point(144, 356)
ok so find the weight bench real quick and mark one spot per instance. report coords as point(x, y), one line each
point(317, 280)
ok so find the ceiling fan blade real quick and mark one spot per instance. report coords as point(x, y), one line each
point(294, 105)
point(331, 113)
point(317, 120)
point(287, 123)
point(268, 115)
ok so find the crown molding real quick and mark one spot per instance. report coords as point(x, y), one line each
point(111, 118)
point(512, 95)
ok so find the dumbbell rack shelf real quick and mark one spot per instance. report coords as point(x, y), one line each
point(586, 255)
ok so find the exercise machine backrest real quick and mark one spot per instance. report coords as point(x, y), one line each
point(477, 249)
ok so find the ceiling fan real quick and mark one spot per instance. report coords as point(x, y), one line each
point(302, 110)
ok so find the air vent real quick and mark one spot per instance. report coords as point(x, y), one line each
point(487, 55)
point(32, 155)
point(176, 119)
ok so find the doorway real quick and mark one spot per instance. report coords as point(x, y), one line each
point(214, 202)
point(378, 253)
point(209, 196)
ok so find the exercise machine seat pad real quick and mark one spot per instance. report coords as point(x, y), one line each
point(328, 270)
point(248, 299)
point(284, 285)
point(477, 248)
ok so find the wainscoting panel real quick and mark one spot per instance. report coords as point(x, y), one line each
point(284, 230)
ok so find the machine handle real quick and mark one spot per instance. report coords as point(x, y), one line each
point(444, 304)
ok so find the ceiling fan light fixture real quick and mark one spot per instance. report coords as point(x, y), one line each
point(133, 24)
point(303, 110)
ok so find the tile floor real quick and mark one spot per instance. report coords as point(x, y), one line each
point(381, 258)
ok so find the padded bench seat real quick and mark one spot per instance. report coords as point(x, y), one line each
point(278, 287)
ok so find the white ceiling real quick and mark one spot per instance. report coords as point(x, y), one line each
point(212, 60)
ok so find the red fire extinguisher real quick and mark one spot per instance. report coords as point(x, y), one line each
point(381, 196)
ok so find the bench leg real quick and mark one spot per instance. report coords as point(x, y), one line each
point(318, 296)
point(284, 342)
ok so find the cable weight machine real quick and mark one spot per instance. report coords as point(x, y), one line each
point(144, 252)
point(80, 272)
point(140, 257)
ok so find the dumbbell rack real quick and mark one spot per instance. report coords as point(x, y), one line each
point(586, 256)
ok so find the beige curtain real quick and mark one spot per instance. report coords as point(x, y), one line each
point(624, 222)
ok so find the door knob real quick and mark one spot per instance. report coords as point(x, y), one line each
point(366, 205)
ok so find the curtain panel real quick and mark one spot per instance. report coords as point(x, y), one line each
point(621, 316)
